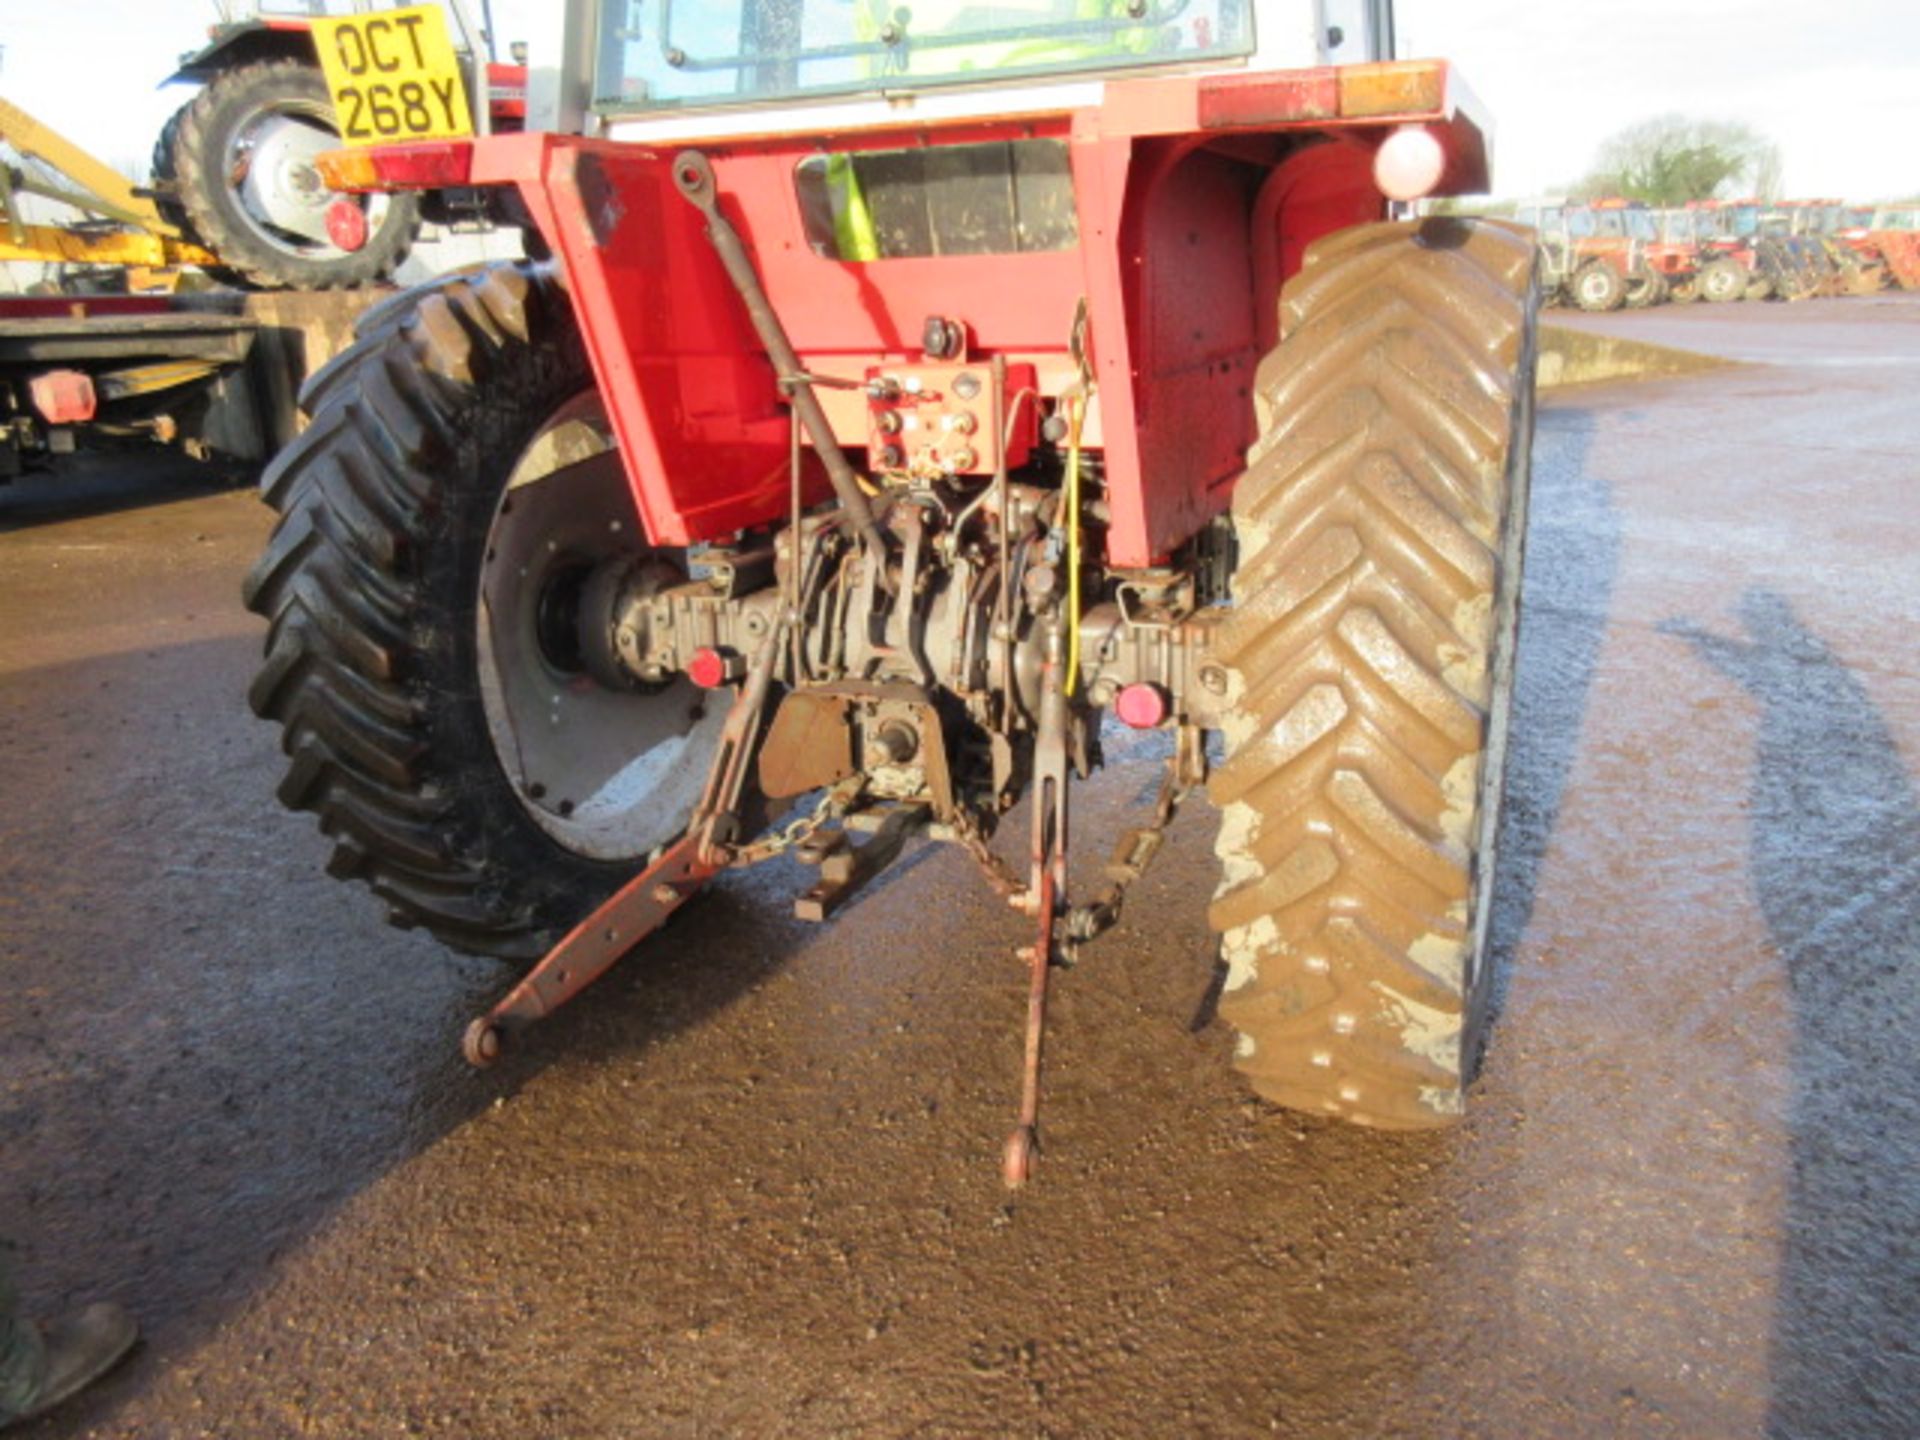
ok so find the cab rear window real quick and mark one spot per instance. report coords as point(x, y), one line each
point(1001, 198)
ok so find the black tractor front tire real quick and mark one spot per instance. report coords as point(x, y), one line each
point(1369, 654)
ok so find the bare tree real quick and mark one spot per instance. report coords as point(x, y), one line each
point(1671, 159)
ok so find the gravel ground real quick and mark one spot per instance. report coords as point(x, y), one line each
point(749, 1186)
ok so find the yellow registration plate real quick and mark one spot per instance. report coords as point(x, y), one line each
point(394, 76)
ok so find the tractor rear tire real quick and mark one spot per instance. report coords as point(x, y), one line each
point(1723, 281)
point(389, 644)
point(1597, 287)
point(166, 198)
point(278, 108)
point(1369, 654)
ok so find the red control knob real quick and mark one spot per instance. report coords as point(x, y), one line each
point(346, 225)
point(710, 668)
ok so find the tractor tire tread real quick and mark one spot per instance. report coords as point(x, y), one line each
point(1375, 596)
point(355, 612)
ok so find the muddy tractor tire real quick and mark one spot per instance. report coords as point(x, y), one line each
point(440, 519)
point(234, 168)
point(1596, 286)
point(1723, 281)
point(1368, 659)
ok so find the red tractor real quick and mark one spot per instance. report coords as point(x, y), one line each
point(911, 399)
point(1894, 231)
point(1677, 254)
point(1594, 256)
point(234, 167)
point(1743, 250)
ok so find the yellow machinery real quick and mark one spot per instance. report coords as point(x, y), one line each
point(128, 228)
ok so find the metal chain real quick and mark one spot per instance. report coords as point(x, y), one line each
point(831, 806)
point(1186, 769)
point(966, 830)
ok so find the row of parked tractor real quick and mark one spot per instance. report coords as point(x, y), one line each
point(1606, 254)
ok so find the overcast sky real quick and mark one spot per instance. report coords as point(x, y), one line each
point(1836, 83)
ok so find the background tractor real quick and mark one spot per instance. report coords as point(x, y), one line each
point(1593, 257)
point(1782, 265)
point(1676, 254)
point(1839, 234)
point(1625, 232)
point(912, 396)
point(1894, 231)
point(1731, 232)
point(234, 168)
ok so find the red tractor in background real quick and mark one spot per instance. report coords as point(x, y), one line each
point(1721, 272)
point(1593, 256)
point(1734, 229)
point(234, 167)
point(1677, 254)
point(911, 399)
point(1894, 231)
point(1625, 231)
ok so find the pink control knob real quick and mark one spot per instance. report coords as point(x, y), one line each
point(1143, 706)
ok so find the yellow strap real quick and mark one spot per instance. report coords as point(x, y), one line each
point(1074, 410)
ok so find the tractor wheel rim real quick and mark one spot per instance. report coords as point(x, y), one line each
point(269, 162)
point(610, 774)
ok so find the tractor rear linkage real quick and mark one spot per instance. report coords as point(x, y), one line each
point(712, 841)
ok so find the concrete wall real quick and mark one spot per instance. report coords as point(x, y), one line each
point(299, 332)
point(1581, 357)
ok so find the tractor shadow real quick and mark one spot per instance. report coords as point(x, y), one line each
point(79, 487)
point(1834, 856)
point(1572, 566)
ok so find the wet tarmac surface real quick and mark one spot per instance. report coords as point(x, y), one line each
point(749, 1187)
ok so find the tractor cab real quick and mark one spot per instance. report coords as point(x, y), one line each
point(1679, 227)
point(653, 57)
